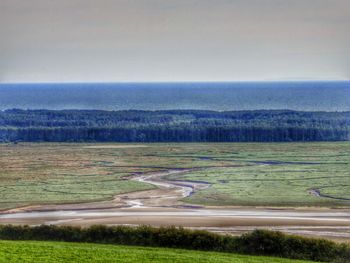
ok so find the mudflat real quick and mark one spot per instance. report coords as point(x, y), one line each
point(169, 184)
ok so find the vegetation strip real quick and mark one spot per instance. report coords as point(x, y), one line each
point(258, 242)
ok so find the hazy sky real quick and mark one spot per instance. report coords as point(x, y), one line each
point(173, 40)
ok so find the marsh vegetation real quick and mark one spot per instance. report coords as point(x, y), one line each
point(271, 174)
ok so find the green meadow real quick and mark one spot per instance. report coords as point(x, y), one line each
point(40, 251)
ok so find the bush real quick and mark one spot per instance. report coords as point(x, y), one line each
point(263, 242)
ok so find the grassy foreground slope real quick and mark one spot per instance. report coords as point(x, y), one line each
point(35, 251)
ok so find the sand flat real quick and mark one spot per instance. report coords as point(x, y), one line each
point(115, 146)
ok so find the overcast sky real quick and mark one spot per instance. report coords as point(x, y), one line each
point(173, 40)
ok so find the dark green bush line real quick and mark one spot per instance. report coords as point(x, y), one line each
point(259, 242)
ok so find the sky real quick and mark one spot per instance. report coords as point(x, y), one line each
point(174, 40)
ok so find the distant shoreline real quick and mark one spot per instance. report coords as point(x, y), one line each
point(174, 82)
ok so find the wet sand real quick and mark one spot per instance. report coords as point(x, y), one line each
point(113, 146)
point(328, 224)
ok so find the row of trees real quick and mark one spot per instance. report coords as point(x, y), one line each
point(173, 126)
point(173, 134)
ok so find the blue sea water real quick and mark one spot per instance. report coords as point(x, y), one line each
point(305, 96)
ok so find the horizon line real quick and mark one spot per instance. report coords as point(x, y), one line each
point(172, 82)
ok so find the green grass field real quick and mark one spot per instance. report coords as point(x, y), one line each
point(34, 251)
point(278, 174)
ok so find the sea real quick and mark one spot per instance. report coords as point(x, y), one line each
point(216, 96)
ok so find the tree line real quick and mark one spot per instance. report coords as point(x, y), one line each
point(172, 126)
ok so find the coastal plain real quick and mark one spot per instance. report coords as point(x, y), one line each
point(299, 188)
